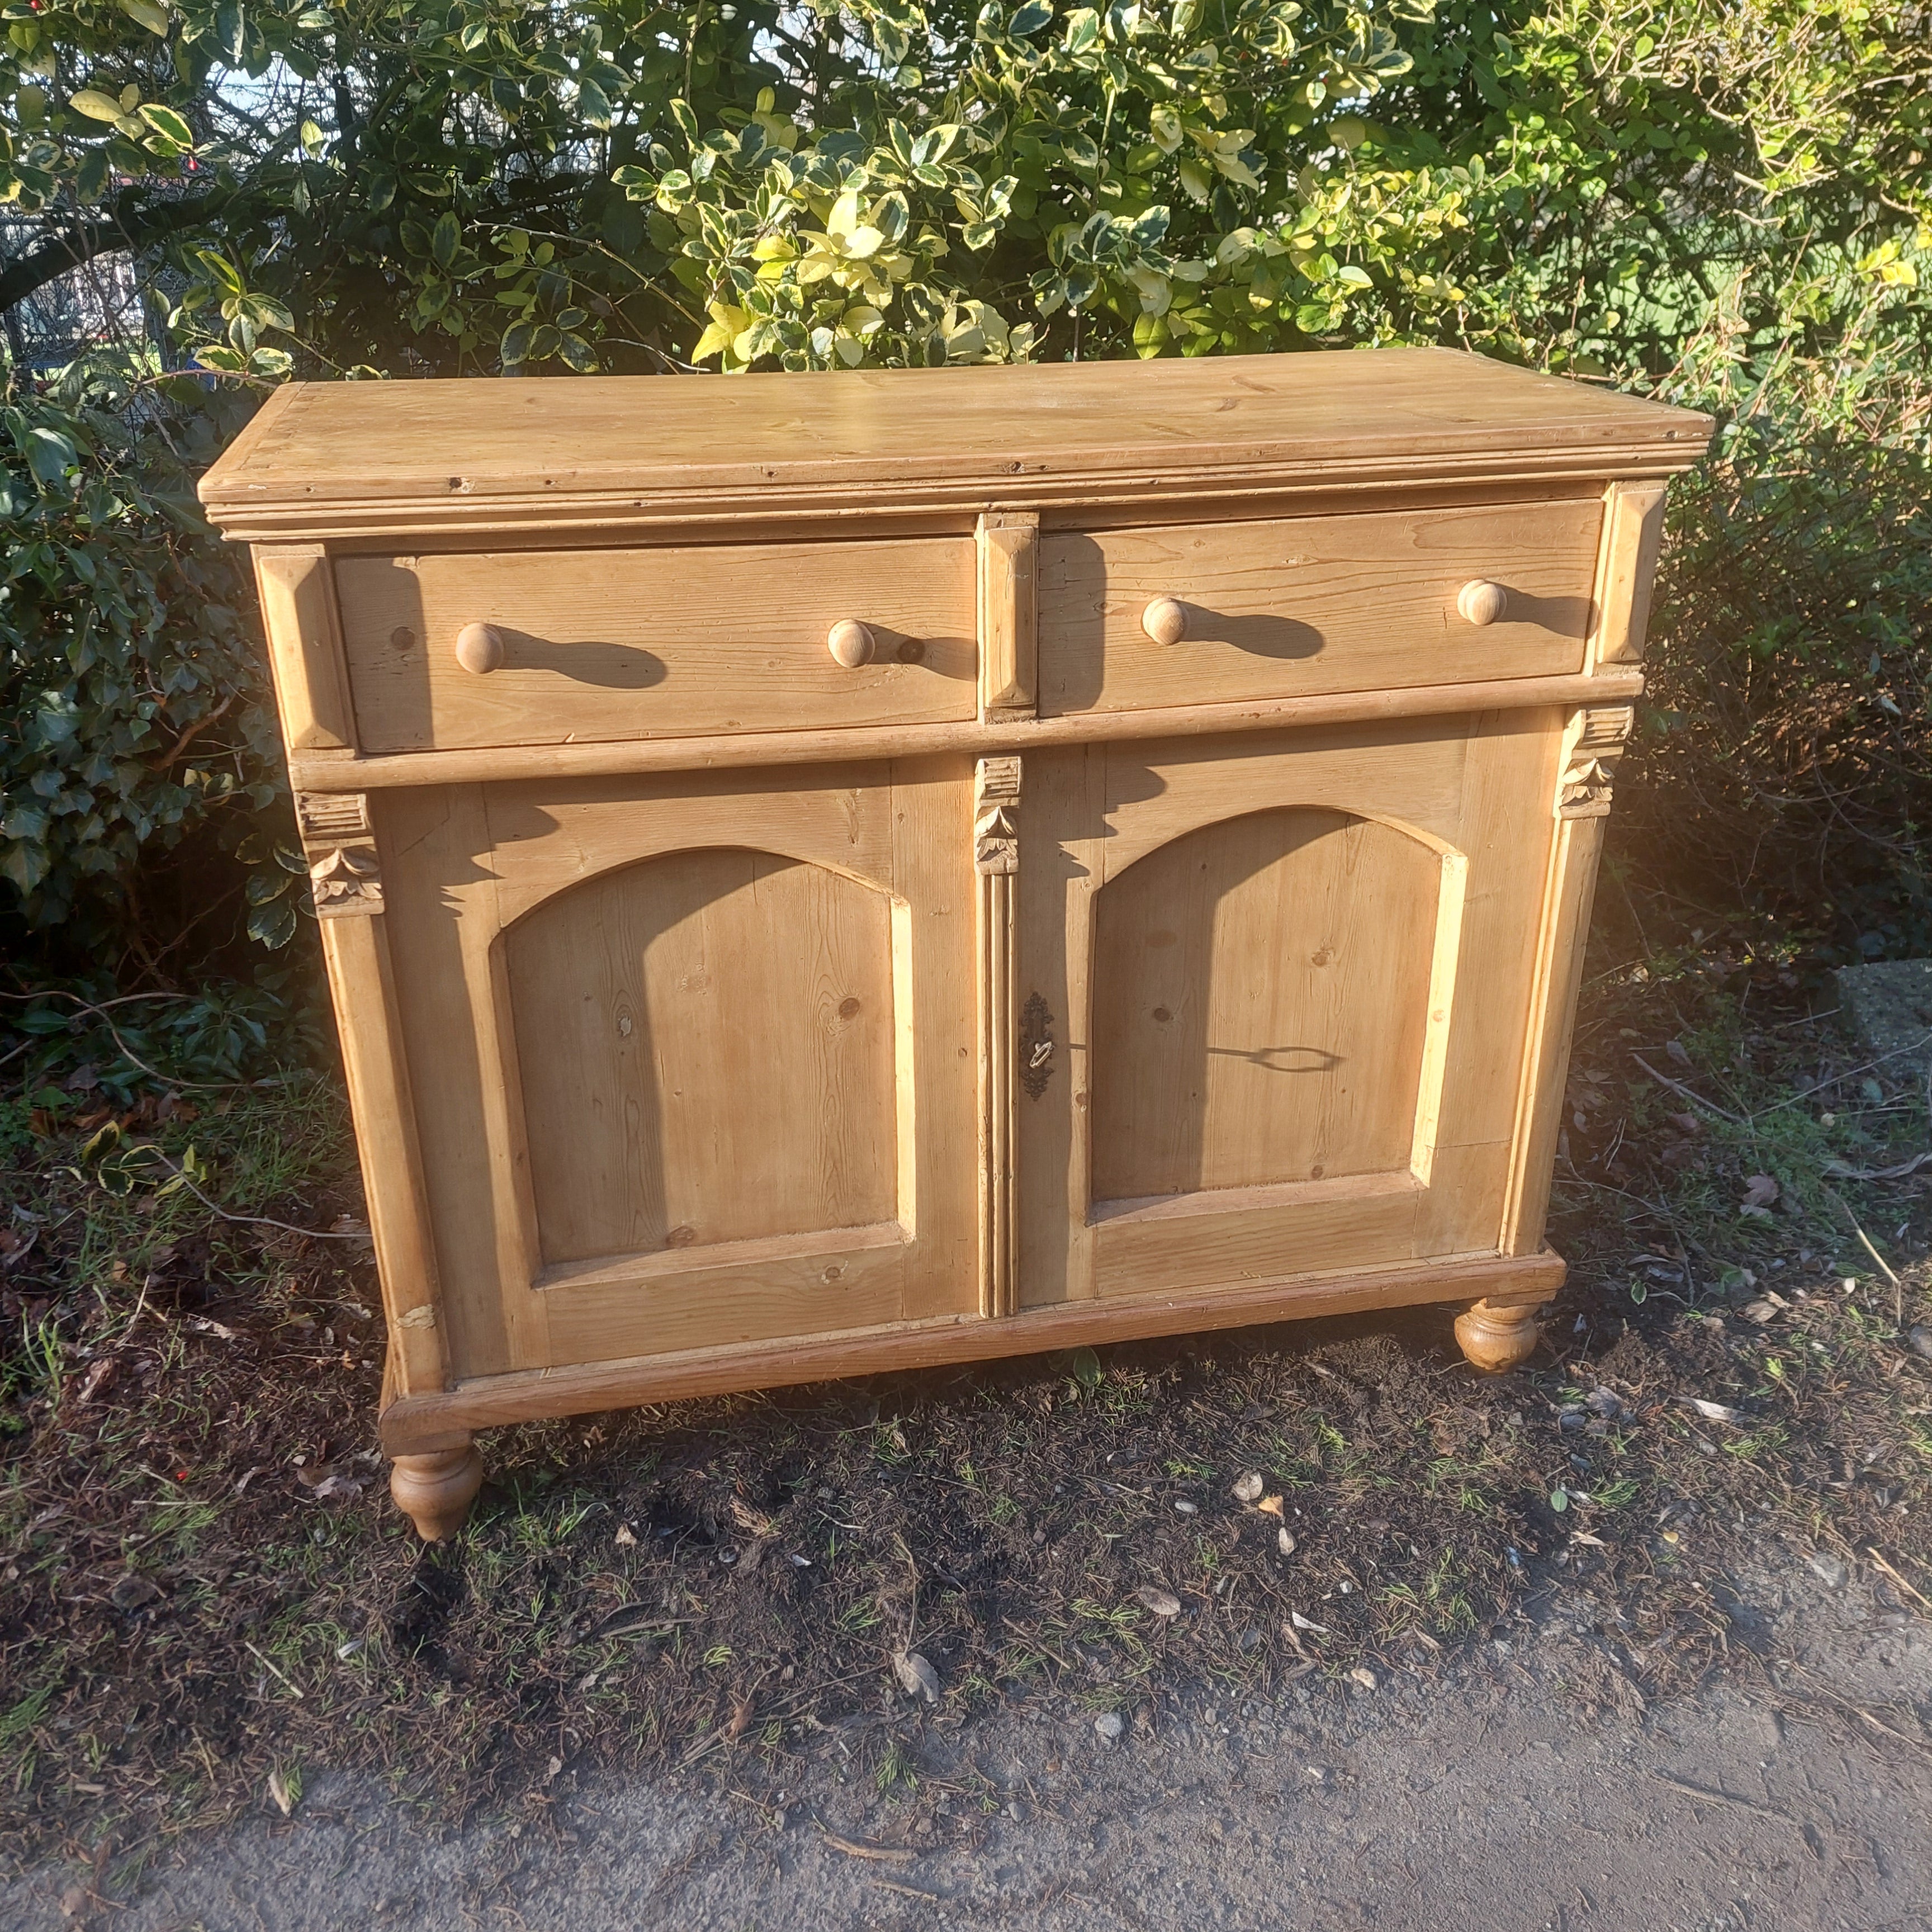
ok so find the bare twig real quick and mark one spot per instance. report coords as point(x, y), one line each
point(1706, 1796)
point(1805, 1093)
point(851, 1847)
point(272, 1665)
point(127, 1052)
point(167, 758)
point(1912, 1589)
point(1697, 1100)
point(252, 1220)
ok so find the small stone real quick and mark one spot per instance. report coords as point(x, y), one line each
point(1284, 1541)
point(1184, 1507)
point(1365, 1677)
point(1162, 1603)
point(1921, 1342)
point(131, 1590)
point(1887, 1007)
point(1829, 1569)
point(1248, 1488)
point(1110, 1724)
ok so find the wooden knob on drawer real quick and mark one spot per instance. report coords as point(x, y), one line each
point(1164, 620)
point(479, 648)
point(1481, 602)
point(851, 643)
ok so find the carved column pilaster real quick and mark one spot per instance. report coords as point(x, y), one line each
point(996, 857)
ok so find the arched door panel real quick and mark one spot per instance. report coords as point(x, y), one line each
point(1261, 1005)
point(705, 1041)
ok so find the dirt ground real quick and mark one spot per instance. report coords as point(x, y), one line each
point(1484, 1799)
point(1307, 1626)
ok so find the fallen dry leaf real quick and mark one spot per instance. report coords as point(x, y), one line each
point(1270, 1506)
point(1162, 1603)
point(1717, 1411)
point(917, 1676)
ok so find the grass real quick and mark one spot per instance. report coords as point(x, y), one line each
point(203, 1588)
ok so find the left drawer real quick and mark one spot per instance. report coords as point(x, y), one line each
point(684, 641)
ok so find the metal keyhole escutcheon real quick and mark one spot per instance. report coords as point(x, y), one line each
point(1036, 1046)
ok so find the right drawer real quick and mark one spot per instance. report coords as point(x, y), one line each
point(1300, 605)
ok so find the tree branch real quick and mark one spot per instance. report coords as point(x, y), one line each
point(129, 225)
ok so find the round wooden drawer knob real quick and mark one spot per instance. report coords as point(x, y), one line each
point(1481, 602)
point(1164, 620)
point(851, 643)
point(479, 648)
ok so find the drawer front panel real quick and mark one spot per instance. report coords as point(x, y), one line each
point(604, 644)
point(1309, 604)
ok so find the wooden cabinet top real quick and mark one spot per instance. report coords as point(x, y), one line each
point(348, 459)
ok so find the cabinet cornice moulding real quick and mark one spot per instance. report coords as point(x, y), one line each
point(520, 457)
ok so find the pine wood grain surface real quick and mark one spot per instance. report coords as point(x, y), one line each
point(822, 875)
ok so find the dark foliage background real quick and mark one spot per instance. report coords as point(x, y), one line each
point(1722, 203)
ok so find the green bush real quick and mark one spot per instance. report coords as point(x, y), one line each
point(1725, 202)
point(133, 713)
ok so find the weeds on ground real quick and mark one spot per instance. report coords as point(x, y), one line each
point(204, 1592)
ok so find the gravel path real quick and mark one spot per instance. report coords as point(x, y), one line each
point(1489, 1799)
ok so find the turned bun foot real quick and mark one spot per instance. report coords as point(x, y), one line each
point(435, 1491)
point(1496, 1339)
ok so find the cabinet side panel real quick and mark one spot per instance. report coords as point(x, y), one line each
point(442, 886)
point(1505, 831)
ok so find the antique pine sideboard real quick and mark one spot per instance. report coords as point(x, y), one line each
point(827, 874)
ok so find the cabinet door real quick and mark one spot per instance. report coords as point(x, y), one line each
point(1286, 982)
point(693, 1057)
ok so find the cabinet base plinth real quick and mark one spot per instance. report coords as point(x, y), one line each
point(1495, 1339)
point(443, 1421)
point(435, 1491)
